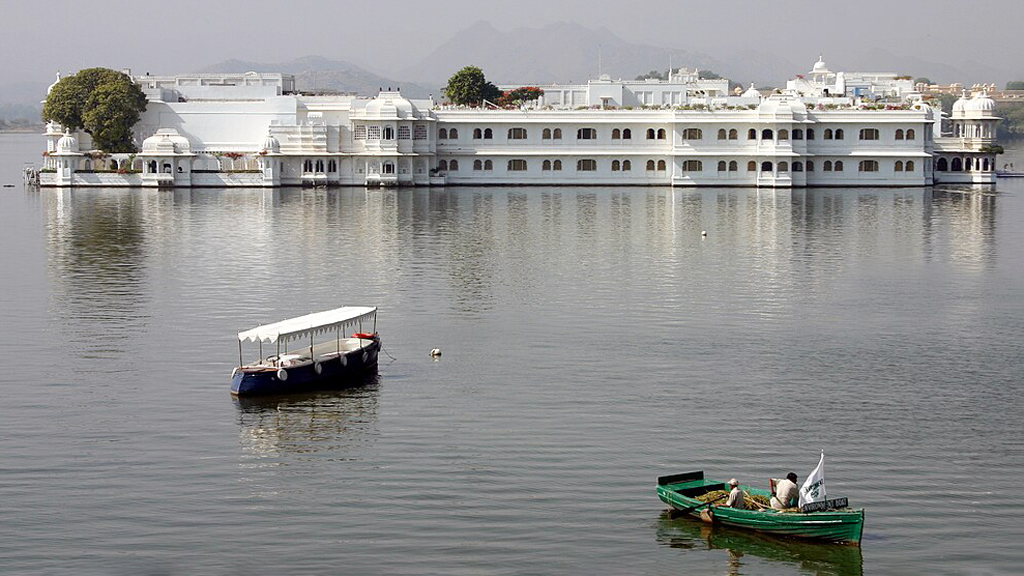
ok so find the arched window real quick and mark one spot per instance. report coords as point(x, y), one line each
point(810, 166)
point(650, 133)
point(556, 165)
point(442, 134)
point(615, 165)
point(627, 134)
point(517, 133)
point(868, 166)
point(557, 136)
point(442, 165)
point(307, 166)
point(766, 166)
point(899, 133)
point(389, 133)
point(546, 135)
point(453, 166)
point(810, 133)
point(616, 134)
point(661, 133)
point(751, 134)
point(319, 166)
point(332, 166)
point(546, 165)
point(722, 134)
point(766, 134)
point(626, 165)
point(389, 168)
point(985, 165)
point(688, 134)
point(153, 168)
point(477, 134)
point(722, 166)
point(910, 165)
point(586, 165)
point(839, 133)
point(942, 165)
point(488, 165)
point(783, 166)
point(910, 134)
point(488, 134)
point(828, 166)
point(865, 134)
point(517, 165)
point(751, 166)
point(798, 167)
point(828, 133)
point(838, 166)
point(650, 165)
point(478, 165)
point(957, 165)
point(733, 167)
point(113, 164)
point(586, 134)
point(798, 134)
point(733, 134)
point(661, 165)
point(783, 134)
point(453, 134)
point(688, 166)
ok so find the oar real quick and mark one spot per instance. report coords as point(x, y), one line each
point(692, 508)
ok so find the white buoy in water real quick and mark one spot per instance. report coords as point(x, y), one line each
point(435, 352)
point(703, 233)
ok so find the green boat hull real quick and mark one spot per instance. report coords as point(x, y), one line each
point(681, 491)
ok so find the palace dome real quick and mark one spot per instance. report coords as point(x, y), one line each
point(390, 106)
point(751, 92)
point(960, 104)
point(166, 141)
point(981, 103)
point(67, 143)
point(271, 144)
point(820, 67)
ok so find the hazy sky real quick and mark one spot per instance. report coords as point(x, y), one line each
point(37, 38)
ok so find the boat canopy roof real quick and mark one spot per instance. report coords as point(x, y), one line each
point(309, 325)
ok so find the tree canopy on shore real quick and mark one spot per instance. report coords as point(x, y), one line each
point(103, 102)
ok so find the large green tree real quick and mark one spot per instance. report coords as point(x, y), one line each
point(469, 87)
point(103, 102)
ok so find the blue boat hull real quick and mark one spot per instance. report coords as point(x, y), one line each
point(335, 372)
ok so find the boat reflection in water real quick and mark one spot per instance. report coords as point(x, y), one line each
point(321, 426)
point(819, 559)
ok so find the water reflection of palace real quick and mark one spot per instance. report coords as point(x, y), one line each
point(690, 534)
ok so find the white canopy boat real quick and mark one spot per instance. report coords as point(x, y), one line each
point(312, 351)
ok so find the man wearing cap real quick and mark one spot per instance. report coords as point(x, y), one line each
point(736, 496)
point(786, 492)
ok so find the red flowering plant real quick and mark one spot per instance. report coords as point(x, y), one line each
point(233, 155)
point(519, 96)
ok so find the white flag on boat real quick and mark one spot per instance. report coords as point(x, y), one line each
point(813, 489)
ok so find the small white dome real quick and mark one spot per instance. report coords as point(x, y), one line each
point(67, 143)
point(752, 92)
point(271, 144)
point(820, 67)
point(981, 103)
point(50, 89)
point(166, 141)
point(960, 105)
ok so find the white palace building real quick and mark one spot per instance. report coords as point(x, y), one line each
point(823, 129)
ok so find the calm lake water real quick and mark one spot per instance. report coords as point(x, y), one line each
point(592, 341)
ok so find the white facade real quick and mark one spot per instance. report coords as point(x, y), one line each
point(253, 130)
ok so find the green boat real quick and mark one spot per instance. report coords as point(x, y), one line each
point(681, 492)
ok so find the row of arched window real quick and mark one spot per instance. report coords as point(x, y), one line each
point(517, 133)
point(588, 165)
point(963, 165)
point(317, 166)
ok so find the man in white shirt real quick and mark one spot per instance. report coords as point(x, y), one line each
point(786, 492)
point(736, 496)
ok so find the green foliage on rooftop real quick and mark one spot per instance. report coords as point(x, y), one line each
point(1015, 85)
point(469, 87)
point(103, 102)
